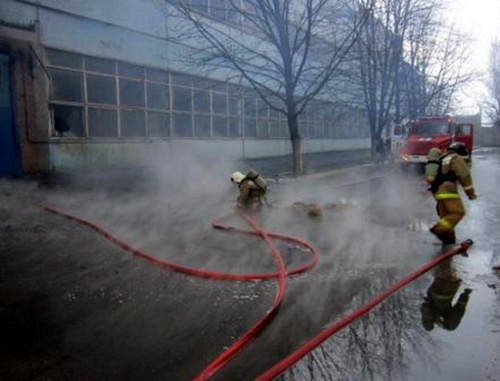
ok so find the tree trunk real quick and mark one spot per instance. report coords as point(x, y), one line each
point(293, 127)
point(375, 151)
point(298, 167)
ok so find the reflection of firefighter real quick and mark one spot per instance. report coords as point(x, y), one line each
point(438, 307)
point(253, 189)
point(451, 167)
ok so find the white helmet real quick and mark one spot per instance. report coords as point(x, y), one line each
point(237, 177)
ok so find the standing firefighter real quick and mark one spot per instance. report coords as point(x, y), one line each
point(253, 189)
point(452, 168)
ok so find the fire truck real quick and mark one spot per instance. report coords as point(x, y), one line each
point(434, 131)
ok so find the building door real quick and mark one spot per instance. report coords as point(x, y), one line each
point(9, 146)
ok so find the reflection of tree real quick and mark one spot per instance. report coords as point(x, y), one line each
point(375, 346)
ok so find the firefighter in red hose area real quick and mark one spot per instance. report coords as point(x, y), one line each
point(253, 189)
point(451, 167)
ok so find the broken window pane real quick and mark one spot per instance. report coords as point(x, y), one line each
point(158, 97)
point(182, 125)
point(158, 124)
point(129, 70)
point(202, 125)
point(131, 93)
point(64, 59)
point(66, 85)
point(220, 126)
point(202, 101)
point(219, 103)
point(102, 122)
point(101, 89)
point(100, 65)
point(68, 121)
point(182, 99)
point(132, 123)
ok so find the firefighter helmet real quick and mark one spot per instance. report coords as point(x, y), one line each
point(237, 177)
point(459, 148)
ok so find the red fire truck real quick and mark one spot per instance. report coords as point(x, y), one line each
point(434, 131)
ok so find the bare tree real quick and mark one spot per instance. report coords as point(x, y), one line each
point(379, 52)
point(493, 105)
point(284, 49)
point(437, 57)
point(410, 63)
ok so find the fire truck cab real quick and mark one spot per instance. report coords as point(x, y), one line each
point(436, 131)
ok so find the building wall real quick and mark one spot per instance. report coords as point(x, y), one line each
point(490, 137)
point(129, 31)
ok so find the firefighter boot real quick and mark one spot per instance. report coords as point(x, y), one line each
point(447, 237)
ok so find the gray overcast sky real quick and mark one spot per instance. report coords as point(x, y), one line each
point(480, 19)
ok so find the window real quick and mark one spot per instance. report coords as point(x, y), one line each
point(68, 120)
point(262, 128)
point(250, 107)
point(202, 125)
point(103, 122)
point(133, 123)
point(201, 101)
point(131, 93)
point(235, 127)
point(99, 97)
point(101, 89)
point(219, 103)
point(250, 128)
point(220, 126)
point(235, 106)
point(158, 124)
point(182, 99)
point(130, 71)
point(64, 59)
point(182, 125)
point(99, 65)
point(67, 85)
point(154, 75)
point(158, 97)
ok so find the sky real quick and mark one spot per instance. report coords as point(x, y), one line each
point(480, 19)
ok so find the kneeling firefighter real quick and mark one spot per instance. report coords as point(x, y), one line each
point(253, 190)
point(450, 167)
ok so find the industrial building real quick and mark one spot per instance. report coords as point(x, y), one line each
point(89, 83)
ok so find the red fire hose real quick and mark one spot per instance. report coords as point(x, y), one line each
point(286, 363)
point(281, 274)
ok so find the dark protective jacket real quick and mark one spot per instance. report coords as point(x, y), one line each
point(452, 168)
point(250, 193)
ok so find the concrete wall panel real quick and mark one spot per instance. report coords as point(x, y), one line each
point(13, 12)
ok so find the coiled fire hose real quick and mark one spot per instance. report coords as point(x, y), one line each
point(281, 275)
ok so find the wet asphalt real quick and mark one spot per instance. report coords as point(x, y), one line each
point(74, 306)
